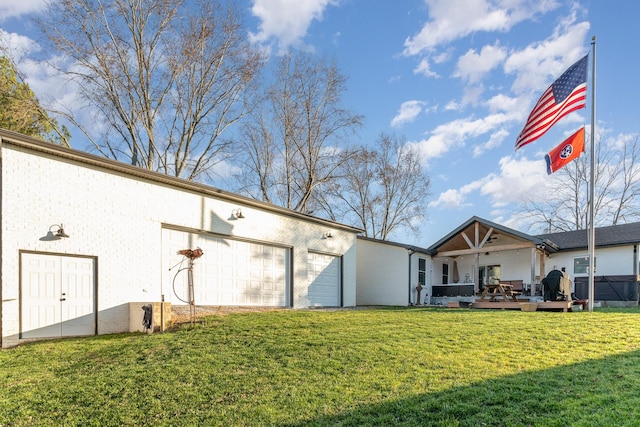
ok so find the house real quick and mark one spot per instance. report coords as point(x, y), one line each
point(388, 273)
point(86, 241)
point(616, 260)
point(457, 267)
point(479, 251)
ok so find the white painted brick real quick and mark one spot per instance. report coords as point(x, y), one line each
point(118, 219)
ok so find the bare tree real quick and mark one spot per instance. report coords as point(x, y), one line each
point(625, 206)
point(297, 141)
point(382, 189)
point(167, 78)
point(617, 184)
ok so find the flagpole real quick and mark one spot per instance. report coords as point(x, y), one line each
point(592, 228)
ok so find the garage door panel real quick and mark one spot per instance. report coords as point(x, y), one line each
point(232, 272)
point(324, 280)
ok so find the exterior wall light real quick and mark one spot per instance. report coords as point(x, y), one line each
point(237, 214)
point(56, 232)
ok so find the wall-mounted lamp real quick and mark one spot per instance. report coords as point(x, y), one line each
point(60, 232)
point(327, 235)
point(56, 232)
point(237, 214)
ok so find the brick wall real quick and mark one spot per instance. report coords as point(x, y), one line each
point(118, 218)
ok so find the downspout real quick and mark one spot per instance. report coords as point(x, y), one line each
point(411, 252)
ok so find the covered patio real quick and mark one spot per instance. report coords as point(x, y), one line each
point(486, 264)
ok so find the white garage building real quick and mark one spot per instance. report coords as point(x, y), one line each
point(124, 226)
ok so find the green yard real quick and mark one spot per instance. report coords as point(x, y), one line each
point(386, 367)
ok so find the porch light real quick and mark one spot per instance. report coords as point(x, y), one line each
point(237, 214)
point(59, 232)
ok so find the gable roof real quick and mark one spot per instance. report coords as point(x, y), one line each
point(477, 234)
point(613, 235)
point(454, 243)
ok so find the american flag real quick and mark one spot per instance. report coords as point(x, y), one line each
point(568, 93)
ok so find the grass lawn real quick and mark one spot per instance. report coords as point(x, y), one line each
point(386, 367)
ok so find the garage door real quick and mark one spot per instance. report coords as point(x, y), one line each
point(231, 272)
point(324, 280)
point(57, 296)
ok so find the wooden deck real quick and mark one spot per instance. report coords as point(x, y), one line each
point(512, 305)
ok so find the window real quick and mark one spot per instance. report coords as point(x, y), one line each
point(445, 274)
point(581, 265)
point(489, 275)
point(422, 271)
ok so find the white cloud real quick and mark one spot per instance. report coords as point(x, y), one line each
point(456, 198)
point(533, 67)
point(453, 105)
point(453, 19)
point(495, 140)
point(53, 90)
point(408, 111)
point(617, 141)
point(501, 103)
point(286, 21)
point(42, 77)
point(539, 63)
point(519, 179)
point(455, 133)
point(17, 46)
point(450, 199)
point(424, 68)
point(473, 66)
point(472, 94)
point(442, 57)
point(16, 8)
point(225, 170)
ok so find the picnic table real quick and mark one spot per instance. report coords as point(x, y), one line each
point(498, 292)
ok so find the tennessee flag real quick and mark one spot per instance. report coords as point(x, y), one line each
point(564, 153)
point(568, 93)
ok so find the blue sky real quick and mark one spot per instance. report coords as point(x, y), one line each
point(456, 78)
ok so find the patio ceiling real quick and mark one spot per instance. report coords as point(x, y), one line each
point(479, 236)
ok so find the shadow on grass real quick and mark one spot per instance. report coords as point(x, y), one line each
point(601, 392)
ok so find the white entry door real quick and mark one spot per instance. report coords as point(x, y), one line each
point(324, 280)
point(57, 296)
